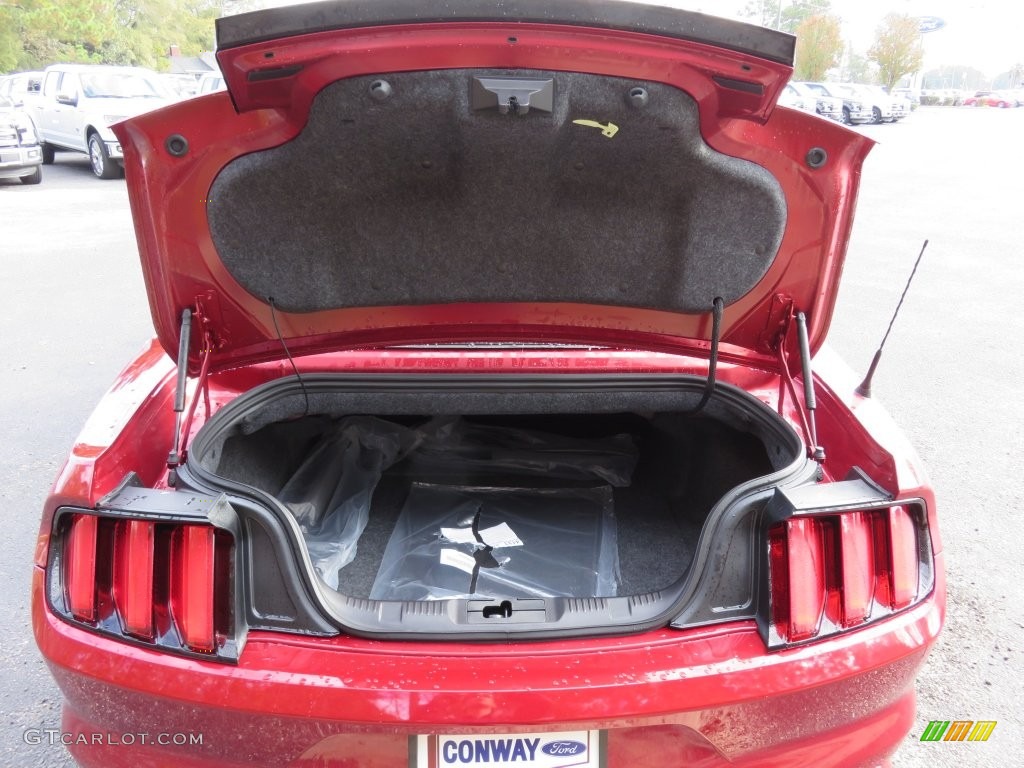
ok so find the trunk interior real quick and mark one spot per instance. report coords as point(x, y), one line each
point(638, 478)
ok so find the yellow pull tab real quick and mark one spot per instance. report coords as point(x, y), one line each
point(608, 129)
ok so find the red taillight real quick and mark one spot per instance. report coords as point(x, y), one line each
point(778, 574)
point(856, 567)
point(164, 583)
point(192, 585)
point(806, 566)
point(80, 567)
point(133, 576)
point(903, 552)
point(830, 572)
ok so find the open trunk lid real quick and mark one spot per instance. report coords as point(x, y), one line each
point(578, 172)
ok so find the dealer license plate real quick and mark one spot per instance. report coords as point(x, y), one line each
point(565, 749)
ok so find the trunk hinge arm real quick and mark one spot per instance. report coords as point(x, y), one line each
point(182, 420)
point(717, 308)
point(805, 409)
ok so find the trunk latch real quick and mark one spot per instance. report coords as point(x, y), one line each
point(512, 96)
point(522, 610)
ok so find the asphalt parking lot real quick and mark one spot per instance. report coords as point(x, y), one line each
point(76, 311)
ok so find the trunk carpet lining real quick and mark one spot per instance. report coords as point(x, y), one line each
point(423, 199)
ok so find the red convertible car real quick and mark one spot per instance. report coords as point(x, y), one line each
point(489, 419)
point(990, 99)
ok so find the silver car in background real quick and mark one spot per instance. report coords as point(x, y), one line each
point(855, 109)
point(20, 155)
point(79, 102)
point(897, 107)
point(20, 86)
point(791, 97)
point(826, 106)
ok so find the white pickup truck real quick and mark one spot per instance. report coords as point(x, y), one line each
point(78, 103)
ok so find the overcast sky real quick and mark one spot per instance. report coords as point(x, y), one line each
point(986, 34)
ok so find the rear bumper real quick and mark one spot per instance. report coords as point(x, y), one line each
point(703, 697)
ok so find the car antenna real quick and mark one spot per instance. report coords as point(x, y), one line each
point(864, 389)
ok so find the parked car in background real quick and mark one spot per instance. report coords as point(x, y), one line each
point(182, 86)
point(20, 86)
point(883, 109)
point(791, 97)
point(855, 109)
point(434, 461)
point(941, 97)
point(210, 82)
point(826, 106)
point(990, 99)
point(901, 105)
point(20, 156)
point(79, 102)
point(911, 95)
point(954, 96)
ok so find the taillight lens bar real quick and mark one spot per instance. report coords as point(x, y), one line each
point(831, 572)
point(157, 583)
point(80, 567)
point(856, 567)
point(192, 585)
point(904, 574)
point(133, 575)
point(805, 554)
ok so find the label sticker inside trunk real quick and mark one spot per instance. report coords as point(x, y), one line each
point(496, 536)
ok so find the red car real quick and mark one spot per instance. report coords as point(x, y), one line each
point(489, 420)
point(990, 99)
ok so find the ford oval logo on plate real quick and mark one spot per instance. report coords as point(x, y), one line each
point(564, 748)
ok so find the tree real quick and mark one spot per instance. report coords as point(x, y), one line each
point(61, 30)
point(819, 44)
point(958, 76)
point(761, 12)
point(35, 33)
point(897, 48)
point(787, 18)
point(231, 7)
point(1013, 79)
point(150, 27)
point(1017, 75)
point(10, 41)
point(858, 69)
